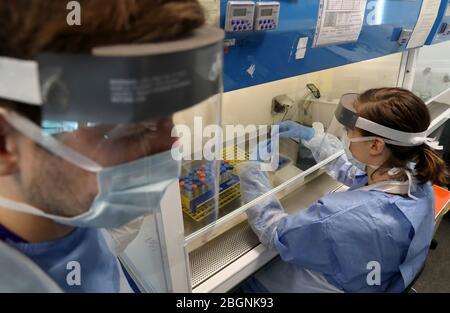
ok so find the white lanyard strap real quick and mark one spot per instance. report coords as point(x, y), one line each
point(394, 187)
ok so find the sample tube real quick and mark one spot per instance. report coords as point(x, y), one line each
point(188, 190)
point(182, 183)
point(195, 190)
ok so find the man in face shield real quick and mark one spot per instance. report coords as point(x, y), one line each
point(85, 126)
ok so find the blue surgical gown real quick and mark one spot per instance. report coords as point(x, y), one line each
point(99, 268)
point(343, 233)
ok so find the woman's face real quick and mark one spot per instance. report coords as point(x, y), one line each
point(373, 152)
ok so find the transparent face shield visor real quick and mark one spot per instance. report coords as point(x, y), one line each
point(347, 116)
point(107, 135)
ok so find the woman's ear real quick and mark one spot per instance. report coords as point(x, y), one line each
point(8, 149)
point(377, 147)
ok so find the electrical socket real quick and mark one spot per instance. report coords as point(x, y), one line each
point(280, 104)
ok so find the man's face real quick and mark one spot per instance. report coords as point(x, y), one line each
point(62, 188)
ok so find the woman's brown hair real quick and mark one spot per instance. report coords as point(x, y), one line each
point(400, 109)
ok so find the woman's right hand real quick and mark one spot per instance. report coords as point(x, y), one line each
point(290, 129)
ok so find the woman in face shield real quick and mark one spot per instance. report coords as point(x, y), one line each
point(373, 237)
point(70, 168)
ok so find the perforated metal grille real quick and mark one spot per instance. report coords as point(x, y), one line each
point(220, 252)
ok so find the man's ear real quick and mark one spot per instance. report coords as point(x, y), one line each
point(8, 149)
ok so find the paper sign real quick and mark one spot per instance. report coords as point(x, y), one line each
point(301, 48)
point(339, 21)
point(425, 22)
point(302, 43)
point(300, 54)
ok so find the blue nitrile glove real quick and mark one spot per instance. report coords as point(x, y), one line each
point(290, 129)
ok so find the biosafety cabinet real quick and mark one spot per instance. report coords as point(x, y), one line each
point(287, 60)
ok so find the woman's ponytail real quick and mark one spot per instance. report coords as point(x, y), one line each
point(431, 167)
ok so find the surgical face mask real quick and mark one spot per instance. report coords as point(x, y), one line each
point(346, 142)
point(126, 192)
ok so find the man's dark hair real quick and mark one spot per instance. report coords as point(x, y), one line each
point(29, 27)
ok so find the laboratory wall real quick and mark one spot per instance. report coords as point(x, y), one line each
point(252, 105)
point(295, 48)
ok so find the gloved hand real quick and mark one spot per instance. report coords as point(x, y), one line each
point(267, 213)
point(290, 129)
point(254, 182)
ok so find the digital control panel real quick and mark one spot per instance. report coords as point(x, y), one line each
point(244, 16)
point(240, 16)
point(266, 15)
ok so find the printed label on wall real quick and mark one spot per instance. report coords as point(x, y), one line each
point(339, 21)
point(425, 22)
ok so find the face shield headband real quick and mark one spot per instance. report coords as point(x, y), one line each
point(125, 84)
point(346, 115)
